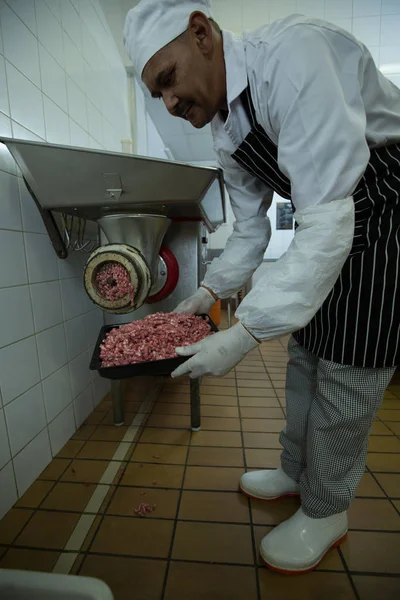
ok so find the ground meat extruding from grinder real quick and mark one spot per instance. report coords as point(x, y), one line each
point(114, 282)
point(153, 338)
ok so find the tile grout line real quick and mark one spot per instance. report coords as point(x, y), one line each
point(73, 546)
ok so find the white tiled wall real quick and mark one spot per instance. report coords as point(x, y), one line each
point(61, 81)
point(375, 22)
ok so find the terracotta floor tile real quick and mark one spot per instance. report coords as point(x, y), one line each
point(165, 436)
point(84, 432)
point(212, 478)
point(109, 418)
point(98, 450)
point(383, 443)
point(215, 457)
point(71, 449)
point(127, 499)
point(330, 586)
point(105, 404)
point(123, 575)
point(174, 388)
point(171, 408)
point(331, 562)
point(214, 542)
point(85, 471)
point(389, 463)
point(263, 425)
point(389, 415)
point(131, 407)
point(219, 382)
point(69, 496)
point(379, 428)
point(252, 412)
point(263, 459)
point(255, 383)
point(55, 469)
point(261, 440)
point(29, 560)
point(240, 369)
point(175, 398)
point(220, 424)
point(35, 494)
point(256, 392)
point(220, 438)
point(373, 514)
point(159, 453)
point(210, 582)
point(219, 391)
point(107, 433)
point(369, 487)
point(243, 377)
point(226, 412)
point(377, 588)
point(391, 401)
point(95, 418)
point(50, 530)
point(397, 505)
point(214, 506)
point(273, 513)
point(393, 426)
point(134, 537)
point(216, 400)
point(372, 552)
point(266, 402)
point(277, 370)
point(390, 483)
point(148, 475)
point(168, 421)
point(12, 524)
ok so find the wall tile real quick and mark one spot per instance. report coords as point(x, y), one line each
point(25, 417)
point(46, 305)
point(279, 9)
point(57, 392)
point(4, 106)
point(24, 134)
point(16, 314)
point(31, 461)
point(61, 429)
point(10, 211)
point(94, 322)
point(5, 454)
point(367, 30)
point(390, 7)
point(20, 45)
point(31, 219)
point(8, 496)
point(76, 336)
point(72, 266)
point(52, 350)
point(15, 380)
point(71, 22)
point(55, 8)
point(49, 31)
point(311, 8)
point(80, 374)
point(390, 30)
point(74, 63)
point(26, 101)
point(57, 125)
point(83, 406)
point(53, 79)
point(7, 162)
point(12, 265)
point(41, 258)
point(366, 8)
point(76, 103)
point(338, 9)
point(72, 297)
point(346, 24)
point(101, 387)
point(389, 55)
point(79, 137)
point(94, 122)
point(25, 9)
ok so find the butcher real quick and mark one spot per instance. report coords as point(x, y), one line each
point(299, 108)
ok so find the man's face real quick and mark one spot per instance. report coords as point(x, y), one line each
point(182, 75)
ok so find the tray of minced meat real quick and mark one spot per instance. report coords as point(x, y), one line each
point(147, 346)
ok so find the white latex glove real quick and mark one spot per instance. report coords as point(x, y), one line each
point(216, 354)
point(198, 304)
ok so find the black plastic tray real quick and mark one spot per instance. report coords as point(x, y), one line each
point(153, 367)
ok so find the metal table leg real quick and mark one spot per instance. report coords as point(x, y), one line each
point(195, 404)
point(118, 408)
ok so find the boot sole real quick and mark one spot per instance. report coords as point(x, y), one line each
point(308, 569)
point(289, 495)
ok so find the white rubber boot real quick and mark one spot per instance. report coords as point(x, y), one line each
point(299, 544)
point(268, 485)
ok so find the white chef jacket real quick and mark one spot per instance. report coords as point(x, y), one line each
point(319, 96)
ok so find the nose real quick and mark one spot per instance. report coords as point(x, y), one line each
point(170, 100)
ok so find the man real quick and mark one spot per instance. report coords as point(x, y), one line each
point(297, 107)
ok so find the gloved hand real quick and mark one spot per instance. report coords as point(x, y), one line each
point(216, 354)
point(198, 304)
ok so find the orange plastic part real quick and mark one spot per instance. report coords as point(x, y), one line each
point(215, 313)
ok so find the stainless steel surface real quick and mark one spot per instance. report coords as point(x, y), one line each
point(161, 279)
point(92, 183)
point(143, 232)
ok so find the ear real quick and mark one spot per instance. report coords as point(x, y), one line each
point(201, 32)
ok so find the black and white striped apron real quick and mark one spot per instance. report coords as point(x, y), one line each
point(359, 322)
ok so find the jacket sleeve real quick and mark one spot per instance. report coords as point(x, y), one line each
point(245, 248)
point(323, 150)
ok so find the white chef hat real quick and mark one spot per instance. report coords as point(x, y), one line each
point(153, 24)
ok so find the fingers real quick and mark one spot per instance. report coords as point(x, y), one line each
point(188, 350)
point(181, 370)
